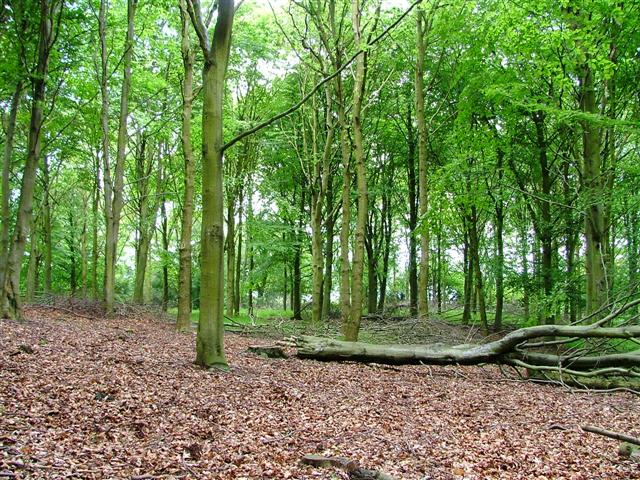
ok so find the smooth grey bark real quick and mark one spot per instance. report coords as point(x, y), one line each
point(210, 337)
point(499, 351)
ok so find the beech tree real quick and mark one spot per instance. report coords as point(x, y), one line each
point(215, 48)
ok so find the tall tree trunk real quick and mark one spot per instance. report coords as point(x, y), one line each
point(570, 247)
point(296, 290)
point(94, 233)
point(231, 254)
point(387, 228)
point(597, 248)
point(608, 169)
point(116, 184)
point(475, 260)
point(32, 267)
point(250, 249)
point(439, 266)
point(423, 278)
point(545, 224)
point(146, 216)
point(5, 213)
point(108, 292)
point(327, 284)
point(236, 288)
point(165, 254)
point(11, 302)
point(413, 217)
point(345, 268)
point(524, 259)
point(318, 193)
point(499, 239)
point(71, 242)
point(468, 277)
point(84, 259)
point(183, 321)
point(46, 225)
point(352, 327)
point(372, 274)
point(285, 282)
point(633, 245)
point(210, 337)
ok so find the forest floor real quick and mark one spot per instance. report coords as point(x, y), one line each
point(121, 398)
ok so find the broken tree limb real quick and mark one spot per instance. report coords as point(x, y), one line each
point(577, 373)
point(622, 360)
point(608, 433)
point(504, 350)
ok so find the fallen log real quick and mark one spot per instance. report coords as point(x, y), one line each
point(504, 350)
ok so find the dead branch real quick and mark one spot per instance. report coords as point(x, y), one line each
point(608, 433)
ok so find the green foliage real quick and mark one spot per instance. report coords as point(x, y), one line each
point(491, 71)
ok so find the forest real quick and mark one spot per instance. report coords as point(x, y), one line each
point(349, 213)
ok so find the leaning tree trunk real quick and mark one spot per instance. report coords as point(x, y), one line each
point(6, 186)
point(11, 302)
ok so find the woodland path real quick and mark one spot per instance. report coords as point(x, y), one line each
point(121, 398)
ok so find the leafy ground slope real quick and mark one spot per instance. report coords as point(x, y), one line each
point(120, 398)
